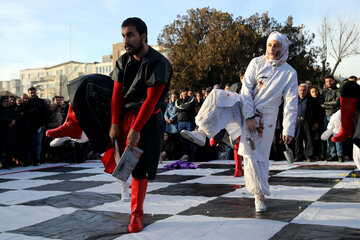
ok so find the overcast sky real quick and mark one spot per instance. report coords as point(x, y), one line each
point(37, 33)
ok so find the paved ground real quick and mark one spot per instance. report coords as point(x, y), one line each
point(58, 201)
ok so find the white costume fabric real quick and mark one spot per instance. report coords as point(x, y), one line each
point(356, 149)
point(266, 82)
point(333, 126)
point(264, 86)
point(221, 109)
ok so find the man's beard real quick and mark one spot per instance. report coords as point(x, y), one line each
point(135, 50)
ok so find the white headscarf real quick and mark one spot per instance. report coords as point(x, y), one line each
point(281, 38)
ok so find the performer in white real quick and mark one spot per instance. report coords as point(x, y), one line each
point(267, 80)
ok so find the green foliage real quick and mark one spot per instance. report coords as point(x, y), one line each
point(210, 47)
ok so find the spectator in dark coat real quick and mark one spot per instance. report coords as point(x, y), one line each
point(330, 101)
point(305, 122)
point(36, 115)
point(8, 133)
point(319, 145)
point(185, 106)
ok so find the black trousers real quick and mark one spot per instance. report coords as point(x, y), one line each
point(303, 133)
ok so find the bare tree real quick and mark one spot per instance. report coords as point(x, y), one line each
point(323, 32)
point(344, 39)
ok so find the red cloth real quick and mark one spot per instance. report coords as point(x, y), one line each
point(131, 120)
point(108, 159)
point(212, 142)
point(148, 106)
point(116, 102)
point(237, 145)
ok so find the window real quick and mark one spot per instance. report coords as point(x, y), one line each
point(88, 68)
point(78, 69)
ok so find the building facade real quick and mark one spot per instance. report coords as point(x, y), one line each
point(14, 86)
point(52, 81)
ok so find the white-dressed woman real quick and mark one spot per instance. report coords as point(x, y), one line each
point(267, 79)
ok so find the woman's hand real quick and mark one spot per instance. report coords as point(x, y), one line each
point(251, 124)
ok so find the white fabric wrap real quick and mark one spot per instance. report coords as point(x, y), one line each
point(356, 150)
point(334, 124)
point(221, 109)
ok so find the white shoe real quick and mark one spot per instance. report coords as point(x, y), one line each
point(83, 138)
point(185, 157)
point(197, 137)
point(125, 196)
point(57, 142)
point(325, 136)
point(259, 204)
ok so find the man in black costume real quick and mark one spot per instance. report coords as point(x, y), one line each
point(129, 106)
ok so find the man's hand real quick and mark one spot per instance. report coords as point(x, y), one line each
point(133, 138)
point(251, 124)
point(114, 133)
point(287, 139)
point(315, 126)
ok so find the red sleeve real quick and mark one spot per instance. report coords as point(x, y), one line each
point(153, 96)
point(116, 102)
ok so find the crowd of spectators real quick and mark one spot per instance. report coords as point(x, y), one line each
point(25, 119)
point(23, 123)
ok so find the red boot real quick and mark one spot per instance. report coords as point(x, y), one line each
point(70, 128)
point(347, 107)
point(238, 164)
point(138, 192)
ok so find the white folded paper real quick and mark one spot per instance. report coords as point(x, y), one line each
point(126, 163)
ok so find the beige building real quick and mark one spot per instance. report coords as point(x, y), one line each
point(52, 81)
point(14, 86)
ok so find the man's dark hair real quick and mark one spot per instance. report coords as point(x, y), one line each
point(353, 77)
point(3, 98)
point(329, 76)
point(31, 89)
point(137, 23)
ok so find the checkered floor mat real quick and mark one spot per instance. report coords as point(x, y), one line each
point(318, 200)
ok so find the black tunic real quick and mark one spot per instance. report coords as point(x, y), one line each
point(90, 97)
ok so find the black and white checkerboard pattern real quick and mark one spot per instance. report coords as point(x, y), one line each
point(57, 201)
